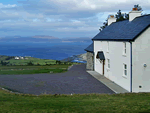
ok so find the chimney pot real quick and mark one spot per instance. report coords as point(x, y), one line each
point(134, 9)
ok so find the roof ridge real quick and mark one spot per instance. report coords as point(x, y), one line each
point(143, 15)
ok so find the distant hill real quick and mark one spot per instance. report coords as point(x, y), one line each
point(76, 58)
point(43, 38)
point(77, 39)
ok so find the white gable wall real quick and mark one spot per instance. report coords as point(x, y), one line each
point(115, 54)
point(141, 56)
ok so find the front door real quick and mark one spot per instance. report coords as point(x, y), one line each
point(103, 66)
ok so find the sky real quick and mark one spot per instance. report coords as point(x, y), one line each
point(60, 18)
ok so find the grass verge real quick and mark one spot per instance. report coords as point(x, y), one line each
point(13, 70)
point(76, 103)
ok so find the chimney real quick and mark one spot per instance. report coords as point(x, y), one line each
point(134, 13)
point(111, 19)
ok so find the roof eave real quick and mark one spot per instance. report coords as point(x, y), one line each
point(112, 40)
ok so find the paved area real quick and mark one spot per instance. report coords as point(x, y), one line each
point(75, 81)
point(113, 86)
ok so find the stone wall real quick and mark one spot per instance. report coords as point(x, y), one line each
point(90, 61)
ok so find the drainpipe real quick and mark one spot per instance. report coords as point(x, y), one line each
point(131, 67)
point(93, 58)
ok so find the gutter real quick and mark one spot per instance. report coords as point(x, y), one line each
point(131, 67)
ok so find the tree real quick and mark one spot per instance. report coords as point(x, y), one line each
point(46, 63)
point(56, 61)
point(4, 63)
point(30, 63)
point(138, 7)
point(104, 25)
point(121, 16)
point(9, 57)
point(65, 63)
point(126, 16)
point(59, 62)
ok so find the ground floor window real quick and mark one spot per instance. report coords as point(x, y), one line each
point(125, 69)
point(108, 61)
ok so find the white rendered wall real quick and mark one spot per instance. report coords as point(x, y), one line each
point(115, 54)
point(134, 14)
point(111, 20)
point(141, 55)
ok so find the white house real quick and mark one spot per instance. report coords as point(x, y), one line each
point(16, 58)
point(122, 52)
point(21, 57)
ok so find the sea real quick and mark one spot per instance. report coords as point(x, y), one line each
point(43, 50)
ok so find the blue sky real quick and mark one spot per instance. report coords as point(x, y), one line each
point(60, 18)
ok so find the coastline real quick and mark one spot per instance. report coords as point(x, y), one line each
point(80, 58)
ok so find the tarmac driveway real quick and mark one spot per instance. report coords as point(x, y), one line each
point(76, 80)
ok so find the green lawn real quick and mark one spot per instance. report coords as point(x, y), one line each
point(11, 70)
point(87, 103)
point(20, 66)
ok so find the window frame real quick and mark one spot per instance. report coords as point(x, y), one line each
point(124, 48)
point(125, 70)
point(108, 63)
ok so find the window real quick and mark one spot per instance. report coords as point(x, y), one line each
point(124, 47)
point(107, 46)
point(125, 69)
point(108, 63)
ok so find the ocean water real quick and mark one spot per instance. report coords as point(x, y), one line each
point(43, 50)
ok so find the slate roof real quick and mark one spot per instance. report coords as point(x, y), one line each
point(124, 30)
point(89, 48)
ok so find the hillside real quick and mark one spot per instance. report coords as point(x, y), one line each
point(76, 58)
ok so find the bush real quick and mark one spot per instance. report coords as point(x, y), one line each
point(4, 63)
point(30, 63)
point(38, 64)
point(9, 57)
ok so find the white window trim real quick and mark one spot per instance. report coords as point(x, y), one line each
point(107, 47)
point(124, 49)
point(125, 76)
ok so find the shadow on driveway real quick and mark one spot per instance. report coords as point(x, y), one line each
point(75, 81)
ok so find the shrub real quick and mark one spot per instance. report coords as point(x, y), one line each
point(38, 64)
point(30, 63)
point(9, 57)
point(4, 63)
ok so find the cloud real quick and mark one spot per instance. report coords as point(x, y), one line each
point(2, 6)
point(73, 17)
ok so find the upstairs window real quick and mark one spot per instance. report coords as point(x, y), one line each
point(124, 48)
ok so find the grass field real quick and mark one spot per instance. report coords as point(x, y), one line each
point(12, 70)
point(35, 61)
point(20, 66)
point(76, 103)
